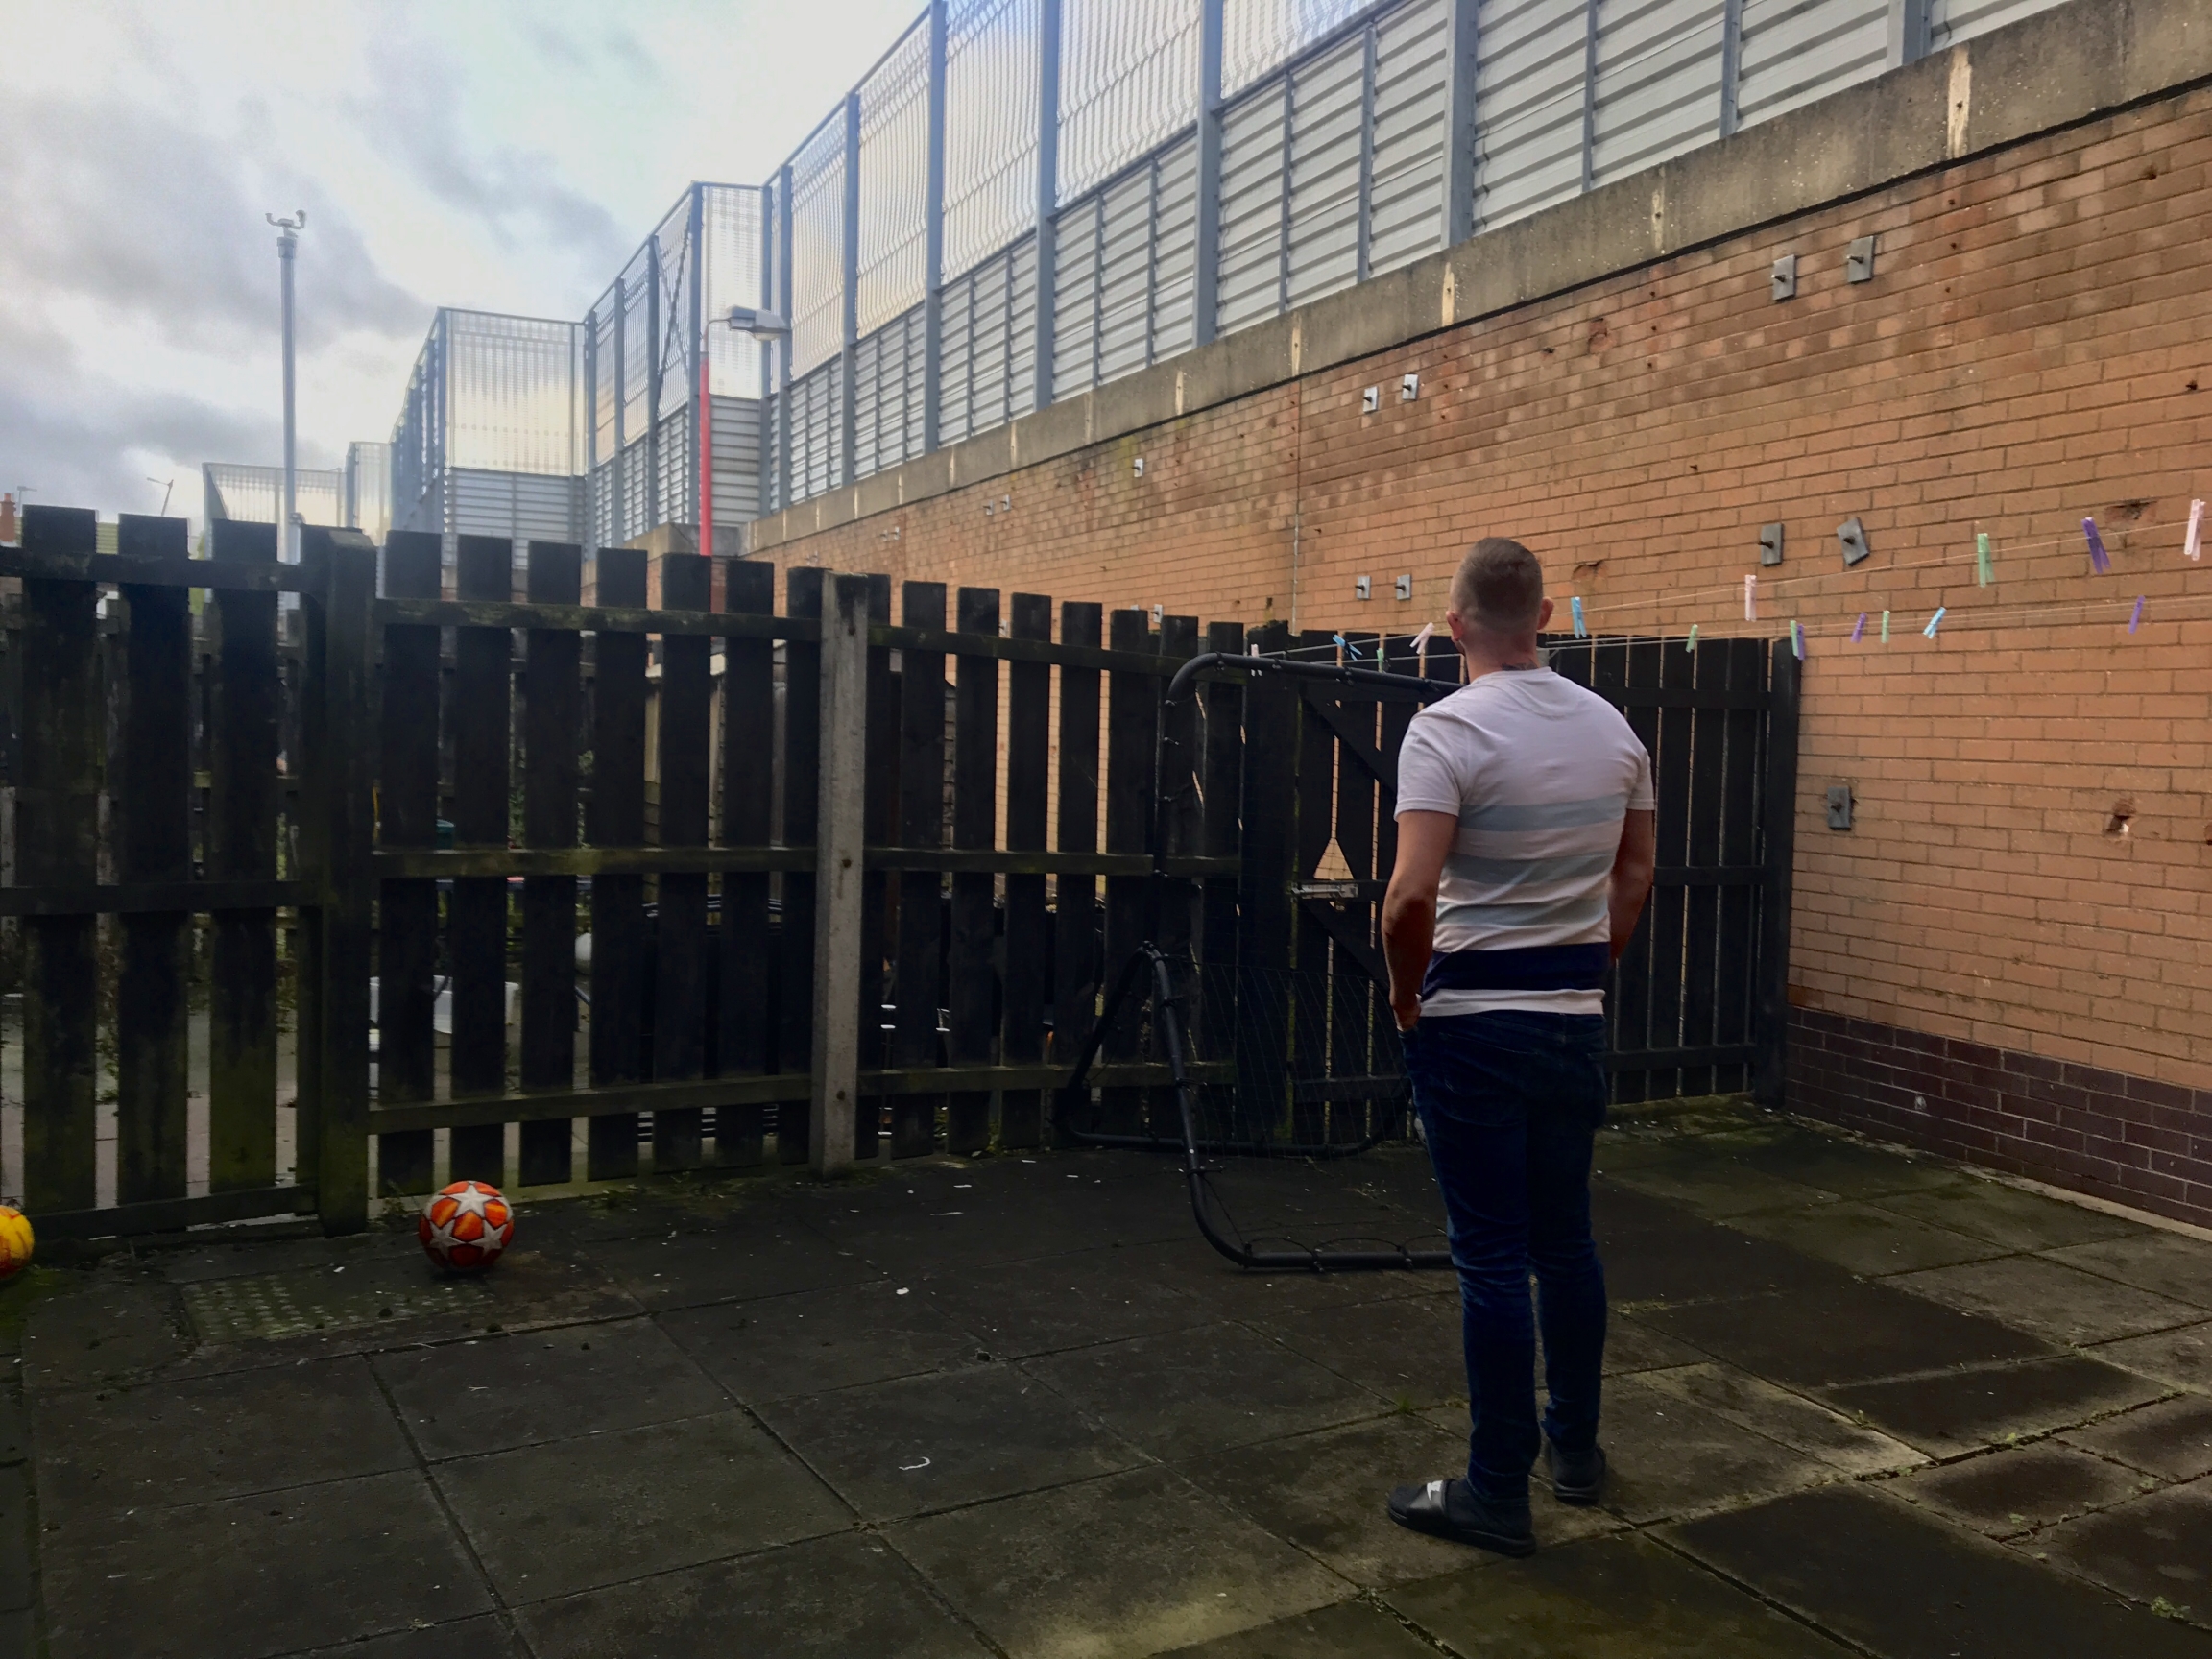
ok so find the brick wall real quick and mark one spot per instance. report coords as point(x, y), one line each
point(2030, 875)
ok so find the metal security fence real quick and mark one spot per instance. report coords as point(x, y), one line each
point(1026, 198)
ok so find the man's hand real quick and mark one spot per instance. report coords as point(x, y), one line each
point(1410, 907)
point(1633, 865)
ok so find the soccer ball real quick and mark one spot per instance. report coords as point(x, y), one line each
point(464, 1227)
point(14, 1241)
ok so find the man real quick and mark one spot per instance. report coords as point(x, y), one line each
point(1525, 851)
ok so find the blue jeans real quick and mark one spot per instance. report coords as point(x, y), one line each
point(1509, 1102)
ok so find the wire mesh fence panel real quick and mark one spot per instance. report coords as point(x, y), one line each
point(1794, 51)
point(676, 268)
point(1658, 90)
point(818, 248)
point(1128, 82)
point(891, 259)
point(992, 111)
point(1530, 62)
point(512, 389)
point(634, 367)
point(256, 493)
point(1258, 35)
point(732, 235)
point(603, 358)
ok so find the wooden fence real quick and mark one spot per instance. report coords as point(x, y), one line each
point(489, 761)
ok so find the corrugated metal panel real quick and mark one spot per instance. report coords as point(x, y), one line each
point(672, 478)
point(1259, 34)
point(1951, 21)
point(736, 460)
point(1795, 51)
point(605, 488)
point(1327, 150)
point(990, 344)
point(1529, 56)
point(1176, 252)
point(817, 433)
point(1075, 298)
point(1126, 280)
point(1405, 188)
point(521, 506)
point(1252, 142)
point(634, 497)
point(887, 383)
point(1658, 83)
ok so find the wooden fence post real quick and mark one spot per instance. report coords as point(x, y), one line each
point(479, 723)
point(341, 665)
point(552, 715)
point(1770, 1083)
point(839, 873)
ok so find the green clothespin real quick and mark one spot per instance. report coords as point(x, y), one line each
point(1691, 644)
point(1884, 627)
point(1982, 576)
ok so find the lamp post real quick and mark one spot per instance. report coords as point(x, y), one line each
point(287, 245)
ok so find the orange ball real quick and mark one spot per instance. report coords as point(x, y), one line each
point(464, 1227)
point(14, 1241)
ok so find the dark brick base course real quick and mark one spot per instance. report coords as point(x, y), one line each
point(2104, 1133)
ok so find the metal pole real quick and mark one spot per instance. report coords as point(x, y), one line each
point(933, 249)
point(1047, 194)
point(1205, 302)
point(848, 372)
point(1460, 84)
point(783, 345)
point(287, 246)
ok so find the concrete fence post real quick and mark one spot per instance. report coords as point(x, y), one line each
point(839, 848)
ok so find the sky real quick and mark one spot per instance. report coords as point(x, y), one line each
point(495, 154)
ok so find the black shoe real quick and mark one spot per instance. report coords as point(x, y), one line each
point(1453, 1509)
point(1576, 1479)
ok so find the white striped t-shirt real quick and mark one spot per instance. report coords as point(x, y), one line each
point(1539, 772)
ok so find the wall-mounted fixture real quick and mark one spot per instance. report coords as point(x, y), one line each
point(1769, 543)
point(1406, 586)
point(1851, 535)
point(1157, 613)
point(1839, 807)
point(1360, 589)
point(1783, 276)
point(1371, 399)
point(1409, 388)
point(1858, 260)
point(1140, 466)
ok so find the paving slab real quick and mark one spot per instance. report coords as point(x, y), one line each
point(2157, 1547)
point(246, 1578)
point(1951, 1412)
point(1831, 1164)
point(481, 1638)
point(1804, 1425)
point(1843, 1332)
point(1133, 1565)
point(107, 1330)
point(908, 1225)
point(924, 1443)
point(2165, 1264)
point(1692, 1260)
point(831, 1598)
point(1718, 1186)
point(569, 1515)
point(2171, 1439)
point(1409, 1349)
point(241, 1257)
point(750, 1257)
point(1202, 1389)
point(1348, 1630)
point(15, 1541)
point(490, 1393)
point(1069, 1301)
point(2058, 1303)
point(777, 1346)
point(2020, 1488)
point(1864, 1239)
point(2182, 1358)
point(2008, 1216)
point(1670, 1457)
point(101, 1451)
point(1632, 1345)
point(1324, 1492)
point(1603, 1598)
point(1943, 1593)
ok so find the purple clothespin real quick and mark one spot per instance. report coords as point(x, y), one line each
point(2100, 560)
point(2136, 622)
point(1858, 629)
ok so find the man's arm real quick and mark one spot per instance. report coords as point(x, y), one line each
point(1409, 905)
point(1633, 865)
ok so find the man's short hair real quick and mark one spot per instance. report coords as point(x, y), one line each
point(1499, 587)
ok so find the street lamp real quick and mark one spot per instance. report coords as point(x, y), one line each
point(741, 319)
point(287, 245)
point(760, 325)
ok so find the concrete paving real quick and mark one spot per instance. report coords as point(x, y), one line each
point(1857, 1402)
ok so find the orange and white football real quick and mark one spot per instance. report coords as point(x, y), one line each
point(465, 1226)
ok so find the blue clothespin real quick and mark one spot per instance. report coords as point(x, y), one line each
point(1347, 647)
point(1936, 621)
point(1581, 625)
point(2100, 560)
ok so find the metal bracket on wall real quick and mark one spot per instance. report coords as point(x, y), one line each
point(1839, 807)
point(1852, 535)
point(1371, 399)
point(1409, 387)
point(1858, 260)
point(1783, 276)
point(1769, 543)
point(1360, 590)
point(1406, 586)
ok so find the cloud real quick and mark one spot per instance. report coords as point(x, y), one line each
point(160, 224)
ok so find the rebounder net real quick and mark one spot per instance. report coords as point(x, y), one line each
point(1285, 1101)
